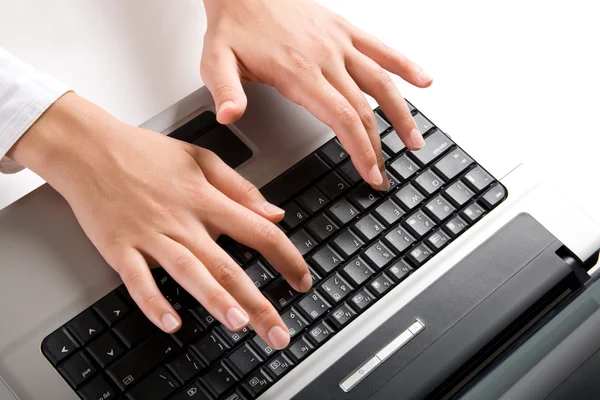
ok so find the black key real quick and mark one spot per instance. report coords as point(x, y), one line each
point(382, 124)
point(77, 369)
point(389, 212)
point(156, 386)
point(436, 144)
point(419, 254)
point(459, 193)
point(86, 326)
point(105, 349)
point(244, 359)
point(312, 200)
point(440, 208)
point(349, 172)
point(368, 228)
point(279, 365)
point(257, 382)
point(333, 152)
point(203, 316)
point(58, 346)
point(97, 389)
point(235, 395)
point(259, 274)
point(313, 305)
point(342, 212)
point(190, 330)
point(357, 271)
point(294, 179)
point(303, 241)
point(294, 215)
point(379, 255)
point(472, 212)
point(294, 321)
point(335, 288)
point(347, 243)
point(111, 308)
point(362, 300)
point(409, 197)
point(219, 379)
point(233, 337)
point(381, 285)
point(399, 239)
point(494, 195)
point(210, 347)
point(453, 164)
point(192, 392)
point(124, 293)
point(300, 349)
point(321, 227)
point(172, 291)
point(419, 224)
point(342, 315)
point(333, 185)
point(423, 124)
point(403, 167)
point(392, 143)
point(438, 240)
point(456, 226)
point(134, 329)
point(264, 348)
point(139, 361)
point(428, 182)
point(320, 333)
point(399, 271)
point(478, 179)
point(363, 196)
point(280, 293)
point(186, 366)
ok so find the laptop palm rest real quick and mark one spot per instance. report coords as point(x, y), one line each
point(456, 317)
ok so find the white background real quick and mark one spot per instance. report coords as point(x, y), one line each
point(525, 72)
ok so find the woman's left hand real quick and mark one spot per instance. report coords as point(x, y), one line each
point(317, 59)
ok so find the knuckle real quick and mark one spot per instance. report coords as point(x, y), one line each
point(183, 264)
point(226, 273)
point(300, 65)
point(383, 79)
point(247, 189)
point(367, 117)
point(152, 301)
point(213, 300)
point(263, 310)
point(270, 234)
point(367, 154)
point(345, 114)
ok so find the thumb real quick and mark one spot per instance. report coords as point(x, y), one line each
point(222, 78)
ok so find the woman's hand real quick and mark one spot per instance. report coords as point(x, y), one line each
point(145, 198)
point(316, 59)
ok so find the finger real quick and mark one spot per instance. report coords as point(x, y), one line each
point(192, 275)
point(234, 186)
point(374, 80)
point(322, 100)
point(221, 76)
point(263, 317)
point(136, 276)
point(254, 231)
point(348, 88)
point(390, 59)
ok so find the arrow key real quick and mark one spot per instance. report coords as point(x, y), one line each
point(58, 346)
point(111, 308)
point(105, 349)
point(86, 326)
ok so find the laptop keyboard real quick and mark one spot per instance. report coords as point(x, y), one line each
point(359, 244)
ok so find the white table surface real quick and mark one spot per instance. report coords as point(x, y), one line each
point(524, 72)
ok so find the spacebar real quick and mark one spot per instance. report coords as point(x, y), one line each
point(294, 179)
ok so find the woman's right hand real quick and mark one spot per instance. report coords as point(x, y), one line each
point(144, 198)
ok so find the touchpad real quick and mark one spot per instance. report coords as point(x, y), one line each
point(205, 131)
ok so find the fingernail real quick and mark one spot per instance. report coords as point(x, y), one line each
point(237, 318)
point(306, 283)
point(376, 177)
point(424, 76)
point(225, 106)
point(170, 323)
point(279, 338)
point(272, 209)
point(417, 139)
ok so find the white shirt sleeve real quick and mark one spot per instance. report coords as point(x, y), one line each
point(25, 94)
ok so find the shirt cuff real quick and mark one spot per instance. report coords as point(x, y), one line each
point(25, 94)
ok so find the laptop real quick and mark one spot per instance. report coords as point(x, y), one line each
point(417, 292)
